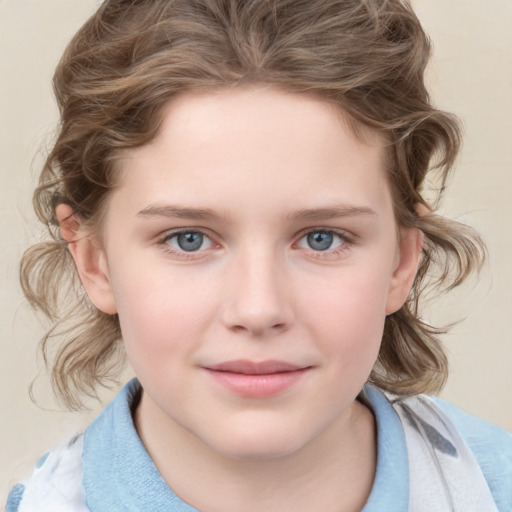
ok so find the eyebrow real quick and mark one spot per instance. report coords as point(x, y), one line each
point(178, 212)
point(341, 210)
point(311, 214)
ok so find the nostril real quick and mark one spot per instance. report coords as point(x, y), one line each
point(257, 309)
point(259, 330)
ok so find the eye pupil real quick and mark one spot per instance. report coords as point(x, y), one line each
point(320, 240)
point(190, 241)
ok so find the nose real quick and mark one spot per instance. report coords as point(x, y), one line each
point(258, 295)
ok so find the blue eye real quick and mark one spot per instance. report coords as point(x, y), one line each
point(188, 241)
point(322, 240)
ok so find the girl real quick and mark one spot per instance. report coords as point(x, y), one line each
point(237, 186)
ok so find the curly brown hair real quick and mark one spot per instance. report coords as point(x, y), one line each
point(131, 57)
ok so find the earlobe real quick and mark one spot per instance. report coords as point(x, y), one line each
point(410, 249)
point(90, 259)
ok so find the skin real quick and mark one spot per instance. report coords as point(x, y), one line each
point(253, 171)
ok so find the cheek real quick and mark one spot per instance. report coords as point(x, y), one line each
point(351, 310)
point(162, 315)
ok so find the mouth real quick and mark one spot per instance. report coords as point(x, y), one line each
point(257, 379)
point(247, 367)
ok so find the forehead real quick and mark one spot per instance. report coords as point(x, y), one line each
point(253, 109)
point(259, 145)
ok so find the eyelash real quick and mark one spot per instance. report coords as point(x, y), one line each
point(346, 243)
point(182, 254)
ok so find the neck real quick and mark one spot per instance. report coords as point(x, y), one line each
point(334, 472)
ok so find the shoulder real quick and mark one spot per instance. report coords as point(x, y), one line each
point(492, 448)
point(453, 437)
point(55, 484)
point(58, 482)
point(481, 435)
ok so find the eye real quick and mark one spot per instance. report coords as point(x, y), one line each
point(322, 240)
point(188, 241)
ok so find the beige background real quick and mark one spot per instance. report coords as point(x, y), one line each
point(471, 75)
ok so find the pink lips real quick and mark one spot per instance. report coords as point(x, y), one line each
point(256, 380)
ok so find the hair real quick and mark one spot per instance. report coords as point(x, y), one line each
point(132, 57)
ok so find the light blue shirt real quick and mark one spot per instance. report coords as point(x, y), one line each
point(119, 475)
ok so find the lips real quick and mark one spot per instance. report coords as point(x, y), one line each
point(257, 379)
point(253, 368)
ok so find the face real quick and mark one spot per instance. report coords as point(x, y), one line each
point(252, 255)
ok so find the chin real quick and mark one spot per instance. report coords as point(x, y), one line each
point(259, 444)
point(259, 453)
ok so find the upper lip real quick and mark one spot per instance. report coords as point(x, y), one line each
point(247, 367)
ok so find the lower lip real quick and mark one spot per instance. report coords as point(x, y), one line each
point(258, 386)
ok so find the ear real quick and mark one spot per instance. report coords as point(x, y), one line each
point(408, 257)
point(90, 259)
